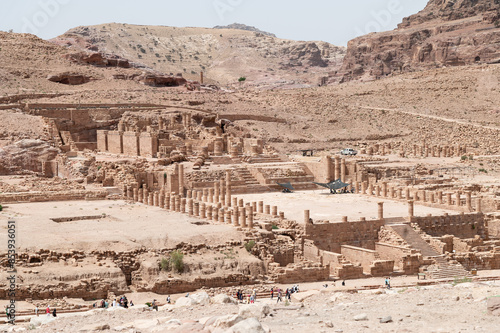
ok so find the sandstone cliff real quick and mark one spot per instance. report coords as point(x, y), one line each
point(445, 33)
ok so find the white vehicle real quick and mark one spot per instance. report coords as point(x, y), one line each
point(348, 151)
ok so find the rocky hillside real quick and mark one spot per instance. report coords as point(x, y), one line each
point(224, 55)
point(445, 33)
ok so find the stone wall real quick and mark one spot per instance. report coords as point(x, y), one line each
point(330, 236)
point(359, 255)
point(54, 196)
point(463, 225)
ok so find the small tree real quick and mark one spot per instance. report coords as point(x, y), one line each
point(242, 79)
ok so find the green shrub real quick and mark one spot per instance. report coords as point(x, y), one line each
point(275, 227)
point(176, 260)
point(242, 79)
point(483, 170)
point(1, 208)
point(464, 158)
point(164, 264)
point(249, 246)
point(173, 262)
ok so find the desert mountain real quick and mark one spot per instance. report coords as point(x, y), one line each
point(245, 27)
point(224, 55)
point(444, 33)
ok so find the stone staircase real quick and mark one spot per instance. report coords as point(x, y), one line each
point(443, 269)
point(246, 176)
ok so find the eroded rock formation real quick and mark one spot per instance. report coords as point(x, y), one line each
point(445, 33)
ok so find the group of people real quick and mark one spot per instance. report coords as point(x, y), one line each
point(122, 302)
point(288, 293)
point(250, 298)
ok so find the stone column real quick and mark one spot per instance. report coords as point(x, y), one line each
point(391, 192)
point(167, 201)
point(337, 168)
point(221, 215)
point(440, 197)
point(345, 219)
point(356, 187)
point(370, 189)
point(275, 211)
point(204, 198)
point(236, 215)
point(209, 212)
point(424, 196)
point(479, 207)
point(400, 193)
point(432, 198)
point(327, 165)
point(215, 214)
point(196, 209)
point(342, 170)
point(161, 199)
point(183, 205)
point(235, 201)
point(254, 206)
point(241, 203)
point(181, 180)
point(448, 199)
point(222, 196)
point(136, 194)
point(145, 196)
point(203, 210)
point(172, 202)
point(250, 217)
point(380, 210)
point(261, 207)
point(211, 195)
point(190, 206)
point(377, 190)
point(267, 210)
point(243, 218)
point(189, 194)
point(177, 204)
point(363, 188)
point(151, 199)
point(307, 217)
point(216, 192)
point(384, 189)
point(458, 202)
point(228, 217)
point(228, 188)
point(407, 194)
point(468, 200)
point(155, 199)
point(411, 209)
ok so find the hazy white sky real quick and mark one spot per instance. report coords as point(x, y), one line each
point(334, 21)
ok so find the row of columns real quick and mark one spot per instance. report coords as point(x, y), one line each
point(215, 203)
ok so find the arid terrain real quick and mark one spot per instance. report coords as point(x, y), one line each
point(150, 161)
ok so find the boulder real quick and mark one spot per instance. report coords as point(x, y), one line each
point(185, 301)
point(72, 79)
point(200, 298)
point(225, 322)
point(94, 328)
point(223, 299)
point(250, 325)
point(301, 296)
point(361, 317)
point(41, 320)
point(493, 305)
point(254, 311)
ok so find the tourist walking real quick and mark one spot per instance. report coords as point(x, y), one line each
point(279, 296)
point(272, 292)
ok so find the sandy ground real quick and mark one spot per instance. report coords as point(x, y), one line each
point(444, 307)
point(324, 206)
point(126, 226)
